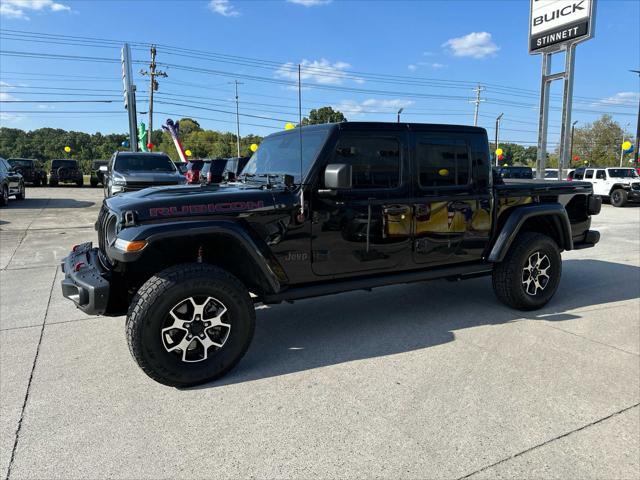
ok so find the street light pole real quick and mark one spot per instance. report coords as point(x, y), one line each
point(497, 130)
point(573, 130)
point(399, 112)
point(636, 153)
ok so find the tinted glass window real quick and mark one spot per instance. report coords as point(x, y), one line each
point(144, 163)
point(375, 161)
point(18, 162)
point(442, 162)
point(578, 175)
point(622, 173)
point(601, 175)
point(55, 164)
point(589, 174)
point(3, 168)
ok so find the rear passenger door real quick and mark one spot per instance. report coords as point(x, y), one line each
point(452, 213)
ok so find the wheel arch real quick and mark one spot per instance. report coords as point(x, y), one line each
point(549, 219)
point(226, 246)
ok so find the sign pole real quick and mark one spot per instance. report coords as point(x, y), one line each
point(541, 159)
point(129, 96)
point(565, 133)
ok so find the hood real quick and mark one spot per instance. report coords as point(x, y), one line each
point(157, 203)
point(151, 176)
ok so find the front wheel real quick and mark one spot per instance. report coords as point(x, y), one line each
point(190, 324)
point(21, 192)
point(4, 197)
point(619, 197)
point(529, 275)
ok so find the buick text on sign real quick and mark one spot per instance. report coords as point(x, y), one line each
point(555, 22)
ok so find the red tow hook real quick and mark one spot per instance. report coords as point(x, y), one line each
point(75, 247)
point(78, 266)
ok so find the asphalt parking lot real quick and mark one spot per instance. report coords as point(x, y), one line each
point(434, 380)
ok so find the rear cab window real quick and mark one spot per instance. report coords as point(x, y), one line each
point(442, 161)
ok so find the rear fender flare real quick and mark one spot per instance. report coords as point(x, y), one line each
point(519, 216)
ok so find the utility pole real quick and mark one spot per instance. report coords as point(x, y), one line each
point(636, 154)
point(153, 86)
point(497, 130)
point(399, 112)
point(129, 92)
point(477, 101)
point(573, 130)
point(236, 83)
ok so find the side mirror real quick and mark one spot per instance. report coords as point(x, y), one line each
point(337, 176)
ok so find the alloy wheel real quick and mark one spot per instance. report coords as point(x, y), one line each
point(535, 275)
point(196, 328)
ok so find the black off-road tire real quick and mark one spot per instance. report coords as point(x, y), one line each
point(618, 197)
point(36, 182)
point(151, 306)
point(80, 183)
point(4, 196)
point(53, 183)
point(21, 192)
point(508, 275)
point(94, 184)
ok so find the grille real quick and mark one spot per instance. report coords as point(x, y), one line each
point(140, 185)
point(106, 227)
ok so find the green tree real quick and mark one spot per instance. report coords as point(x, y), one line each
point(323, 115)
point(598, 143)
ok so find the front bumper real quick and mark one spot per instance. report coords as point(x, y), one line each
point(86, 281)
point(591, 237)
point(633, 195)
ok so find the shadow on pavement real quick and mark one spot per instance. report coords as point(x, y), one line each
point(30, 203)
point(316, 333)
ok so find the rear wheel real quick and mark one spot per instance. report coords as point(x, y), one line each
point(619, 197)
point(53, 183)
point(530, 273)
point(190, 324)
point(36, 182)
point(94, 183)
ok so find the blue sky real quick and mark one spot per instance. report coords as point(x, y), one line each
point(438, 50)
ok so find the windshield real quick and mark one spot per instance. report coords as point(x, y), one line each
point(623, 173)
point(63, 164)
point(280, 153)
point(144, 163)
point(15, 162)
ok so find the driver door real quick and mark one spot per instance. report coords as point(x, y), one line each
point(366, 227)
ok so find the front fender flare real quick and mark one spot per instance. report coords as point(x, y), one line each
point(517, 218)
point(153, 233)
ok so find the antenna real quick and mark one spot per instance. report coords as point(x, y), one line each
point(301, 213)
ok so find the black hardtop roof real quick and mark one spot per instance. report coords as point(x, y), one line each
point(64, 160)
point(23, 159)
point(389, 126)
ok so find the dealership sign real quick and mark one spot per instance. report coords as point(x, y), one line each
point(555, 23)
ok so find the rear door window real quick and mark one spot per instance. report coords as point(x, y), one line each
point(588, 174)
point(601, 175)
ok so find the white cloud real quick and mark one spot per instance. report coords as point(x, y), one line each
point(412, 67)
point(620, 98)
point(475, 45)
point(310, 3)
point(319, 71)
point(224, 8)
point(436, 66)
point(19, 8)
point(4, 96)
point(352, 108)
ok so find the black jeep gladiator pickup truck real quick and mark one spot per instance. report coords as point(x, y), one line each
point(319, 210)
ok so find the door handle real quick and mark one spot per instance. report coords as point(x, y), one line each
point(396, 210)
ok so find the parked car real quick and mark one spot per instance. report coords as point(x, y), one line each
point(618, 185)
point(515, 172)
point(98, 169)
point(11, 183)
point(367, 205)
point(577, 174)
point(131, 171)
point(235, 165)
point(65, 171)
point(182, 167)
point(31, 170)
point(192, 174)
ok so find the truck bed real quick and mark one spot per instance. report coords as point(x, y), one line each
point(520, 187)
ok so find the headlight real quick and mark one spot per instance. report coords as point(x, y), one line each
point(127, 246)
point(119, 180)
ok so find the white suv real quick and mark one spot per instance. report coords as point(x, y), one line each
point(619, 185)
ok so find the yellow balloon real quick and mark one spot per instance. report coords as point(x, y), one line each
point(499, 151)
point(67, 149)
point(443, 172)
point(626, 145)
point(253, 147)
point(289, 126)
point(187, 153)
